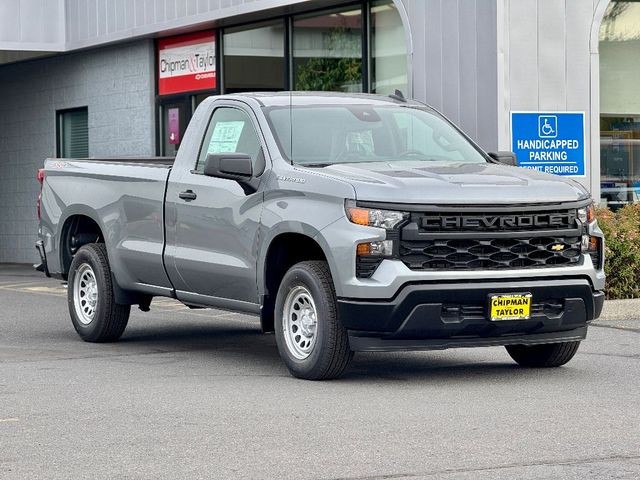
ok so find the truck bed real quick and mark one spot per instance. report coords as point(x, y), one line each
point(146, 161)
point(124, 196)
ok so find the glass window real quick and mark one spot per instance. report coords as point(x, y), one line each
point(196, 100)
point(620, 104)
point(254, 58)
point(361, 133)
point(175, 116)
point(327, 51)
point(73, 133)
point(230, 130)
point(388, 49)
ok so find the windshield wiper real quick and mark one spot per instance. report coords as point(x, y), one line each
point(315, 165)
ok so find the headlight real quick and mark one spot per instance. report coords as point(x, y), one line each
point(382, 248)
point(371, 217)
point(586, 214)
point(369, 255)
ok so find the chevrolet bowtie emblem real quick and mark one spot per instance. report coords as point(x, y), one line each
point(558, 247)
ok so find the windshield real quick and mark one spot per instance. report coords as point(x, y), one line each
point(332, 134)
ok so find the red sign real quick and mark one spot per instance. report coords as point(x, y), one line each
point(187, 63)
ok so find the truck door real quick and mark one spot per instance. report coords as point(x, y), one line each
point(212, 223)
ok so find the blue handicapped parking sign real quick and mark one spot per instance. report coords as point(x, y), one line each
point(549, 142)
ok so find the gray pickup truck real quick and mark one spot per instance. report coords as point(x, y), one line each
point(346, 222)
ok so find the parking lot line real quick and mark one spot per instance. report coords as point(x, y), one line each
point(21, 284)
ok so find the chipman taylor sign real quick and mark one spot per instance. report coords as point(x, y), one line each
point(549, 142)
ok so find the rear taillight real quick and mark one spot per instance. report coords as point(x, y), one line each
point(40, 178)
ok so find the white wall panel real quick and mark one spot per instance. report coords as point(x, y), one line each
point(487, 68)
point(451, 60)
point(126, 19)
point(578, 59)
point(469, 73)
point(32, 25)
point(523, 54)
point(552, 54)
point(548, 53)
point(432, 51)
point(454, 62)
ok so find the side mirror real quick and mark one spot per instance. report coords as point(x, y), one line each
point(232, 166)
point(505, 158)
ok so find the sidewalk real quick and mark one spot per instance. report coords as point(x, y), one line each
point(621, 309)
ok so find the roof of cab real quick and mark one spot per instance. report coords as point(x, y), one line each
point(270, 99)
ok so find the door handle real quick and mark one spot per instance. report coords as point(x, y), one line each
point(188, 195)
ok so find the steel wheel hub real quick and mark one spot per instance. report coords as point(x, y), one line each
point(299, 322)
point(85, 293)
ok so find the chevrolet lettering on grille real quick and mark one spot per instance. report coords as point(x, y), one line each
point(498, 222)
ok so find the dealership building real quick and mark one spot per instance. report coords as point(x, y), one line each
point(556, 81)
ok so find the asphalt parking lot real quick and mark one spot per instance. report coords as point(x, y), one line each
point(202, 394)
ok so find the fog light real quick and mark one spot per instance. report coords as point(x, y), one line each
point(383, 248)
point(589, 244)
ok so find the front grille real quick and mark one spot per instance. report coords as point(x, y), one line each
point(490, 254)
point(474, 241)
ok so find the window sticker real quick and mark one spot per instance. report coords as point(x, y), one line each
point(361, 142)
point(225, 137)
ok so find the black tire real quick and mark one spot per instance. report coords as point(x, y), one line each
point(109, 319)
point(543, 356)
point(330, 355)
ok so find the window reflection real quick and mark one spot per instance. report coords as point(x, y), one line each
point(327, 51)
point(254, 58)
point(388, 49)
point(620, 104)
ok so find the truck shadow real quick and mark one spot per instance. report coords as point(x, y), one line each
point(245, 347)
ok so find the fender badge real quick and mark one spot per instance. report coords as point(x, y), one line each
point(291, 179)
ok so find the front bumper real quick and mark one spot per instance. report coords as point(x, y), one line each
point(444, 315)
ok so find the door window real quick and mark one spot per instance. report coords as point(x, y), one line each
point(230, 130)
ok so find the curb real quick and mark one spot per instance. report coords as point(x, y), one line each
point(621, 310)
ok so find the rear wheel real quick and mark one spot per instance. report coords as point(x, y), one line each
point(311, 339)
point(94, 313)
point(543, 356)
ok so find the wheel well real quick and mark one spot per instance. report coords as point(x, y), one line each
point(78, 230)
point(285, 251)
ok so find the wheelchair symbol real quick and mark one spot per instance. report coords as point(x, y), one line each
point(548, 126)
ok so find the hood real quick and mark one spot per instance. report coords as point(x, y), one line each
point(460, 183)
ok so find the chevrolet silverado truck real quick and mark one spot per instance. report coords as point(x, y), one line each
point(345, 222)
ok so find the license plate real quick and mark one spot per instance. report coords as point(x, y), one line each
point(513, 306)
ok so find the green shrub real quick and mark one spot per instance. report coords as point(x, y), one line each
point(622, 250)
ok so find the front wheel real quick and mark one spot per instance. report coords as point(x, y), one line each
point(543, 356)
point(94, 313)
point(311, 339)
